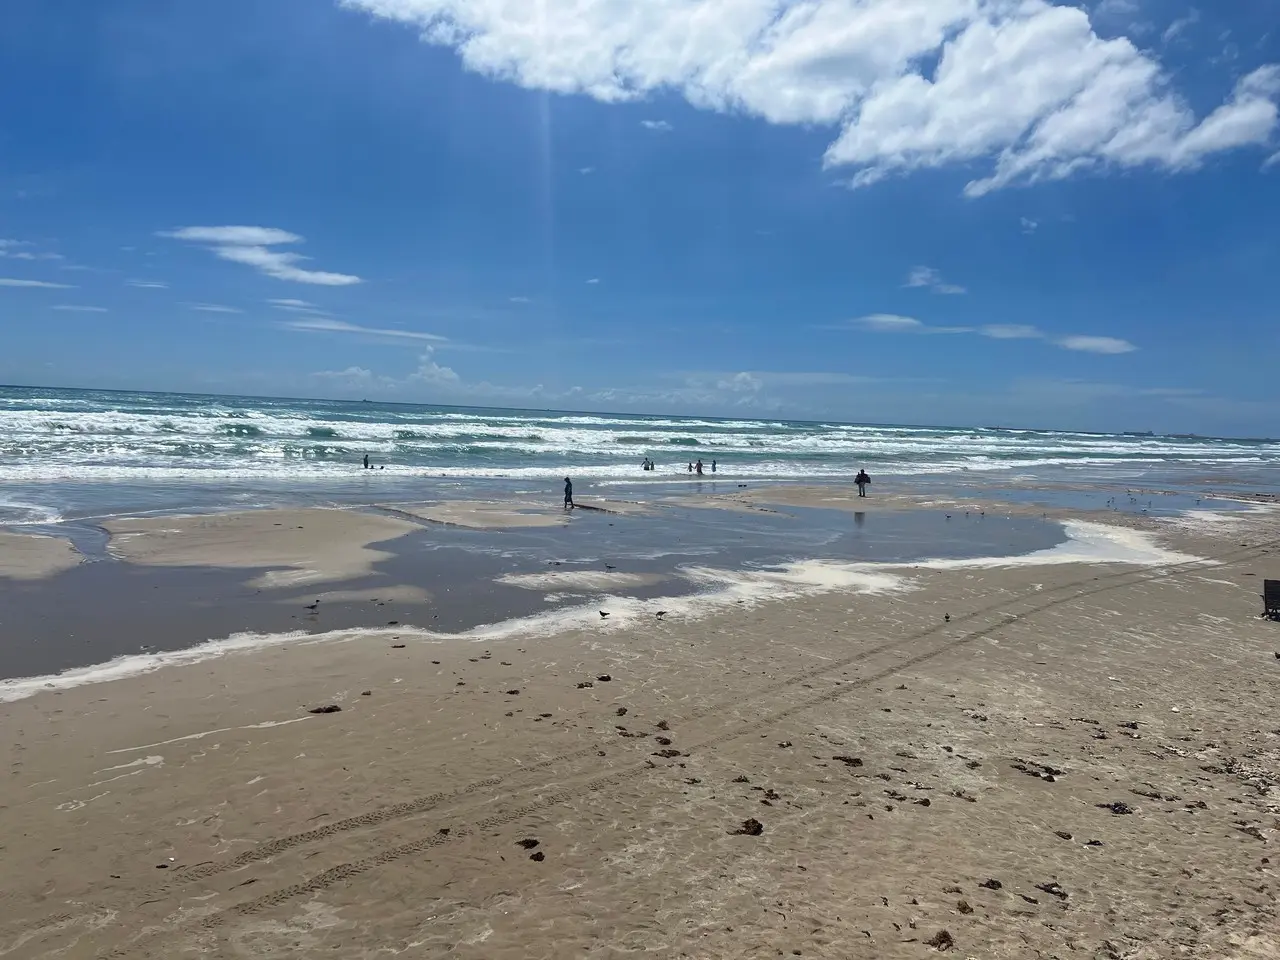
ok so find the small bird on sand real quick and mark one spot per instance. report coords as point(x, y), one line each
point(946, 617)
point(603, 614)
point(661, 613)
point(610, 566)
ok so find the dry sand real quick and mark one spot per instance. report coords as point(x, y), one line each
point(28, 557)
point(1081, 762)
point(313, 546)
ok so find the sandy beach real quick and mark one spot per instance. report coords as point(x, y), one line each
point(1034, 759)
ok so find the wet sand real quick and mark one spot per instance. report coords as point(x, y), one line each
point(302, 546)
point(1027, 761)
point(29, 557)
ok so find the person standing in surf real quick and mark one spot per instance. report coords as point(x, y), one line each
point(862, 479)
point(568, 494)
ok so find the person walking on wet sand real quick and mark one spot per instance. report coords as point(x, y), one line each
point(862, 479)
point(568, 494)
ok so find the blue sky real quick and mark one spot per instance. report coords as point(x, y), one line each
point(930, 211)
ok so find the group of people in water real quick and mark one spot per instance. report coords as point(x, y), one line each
point(694, 466)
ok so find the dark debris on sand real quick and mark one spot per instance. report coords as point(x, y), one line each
point(941, 941)
point(327, 708)
point(751, 827)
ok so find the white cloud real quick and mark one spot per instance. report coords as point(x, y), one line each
point(252, 246)
point(520, 299)
point(212, 308)
point(931, 279)
point(1271, 161)
point(1115, 8)
point(289, 303)
point(586, 170)
point(77, 308)
point(594, 280)
point(327, 325)
point(148, 284)
point(42, 284)
point(659, 125)
point(233, 236)
point(1175, 29)
point(893, 323)
point(1024, 85)
point(1029, 226)
point(1010, 331)
point(428, 373)
point(1096, 344)
point(19, 250)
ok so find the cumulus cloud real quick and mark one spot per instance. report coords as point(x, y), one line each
point(328, 325)
point(254, 247)
point(931, 279)
point(42, 284)
point(1025, 87)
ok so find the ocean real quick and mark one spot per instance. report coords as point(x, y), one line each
point(66, 453)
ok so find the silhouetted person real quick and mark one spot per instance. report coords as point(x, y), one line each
point(568, 494)
point(698, 467)
point(366, 461)
point(862, 479)
point(713, 466)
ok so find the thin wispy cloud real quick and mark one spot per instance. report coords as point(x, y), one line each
point(520, 299)
point(661, 126)
point(1029, 226)
point(147, 284)
point(21, 250)
point(79, 308)
point(297, 306)
point(1105, 345)
point(895, 323)
point(1179, 26)
point(255, 247)
point(1026, 92)
point(931, 279)
point(586, 170)
point(212, 308)
point(41, 284)
point(327, 325)
point(594, 280)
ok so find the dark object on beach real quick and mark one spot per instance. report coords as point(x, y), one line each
point(400, 646)
point(1271, 600)
point(663, 741)
point(1093, 843)
point(849, 761)
point(1062, 834)
point(621, 711)
point(784, 744)
point(366, 693)
point(991, 884)
point(667, 754)
point(663, 725)
point(941, 941)
point(443, 831)
point(1052, 889)
point(751, 827)
point(946, 617)
point(538, 857)
point(1118, 807)
point(393, 623)
point(740, 779)
point(327, 708)
point(513, 693)
point(584, 684)
point(660, 614)
point(528, 844)
point(603, 614)
point(964, 907)
point(604, 678)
